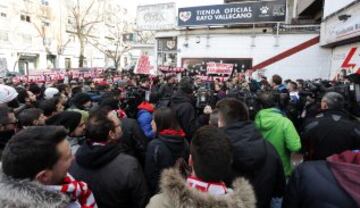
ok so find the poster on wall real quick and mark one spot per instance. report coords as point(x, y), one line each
point(228, 14)
point(156, 17)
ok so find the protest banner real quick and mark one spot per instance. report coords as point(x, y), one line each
point(219, 68)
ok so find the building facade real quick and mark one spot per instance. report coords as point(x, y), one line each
point(290, 47)
point(340, 33)
point(36, 35)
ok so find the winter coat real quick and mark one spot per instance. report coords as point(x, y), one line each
point(313, 185)
point(116, 179)
point(166, 91)
point(29, 194)
point(144, 118)
point(133, 139)
point(330, 132)
point(175, 193)
point(281, 133)
point(182, 104)
point(163, 153)
point(256, 159)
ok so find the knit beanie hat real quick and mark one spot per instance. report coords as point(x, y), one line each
point(50, 92)
point(7, 94)
point(84, 114)
point(80, 99)
point(68, 119)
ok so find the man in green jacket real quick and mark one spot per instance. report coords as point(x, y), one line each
point(278, 130)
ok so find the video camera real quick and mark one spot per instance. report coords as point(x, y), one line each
point(315, 90)
point(205, 95)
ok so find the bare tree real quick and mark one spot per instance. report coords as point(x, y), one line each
point(40, 16)
point(114, 45)
point(145, 37)
point(86, 15)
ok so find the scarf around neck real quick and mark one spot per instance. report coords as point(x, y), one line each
point(172, 132)
point(77, 190)
point(213, 188)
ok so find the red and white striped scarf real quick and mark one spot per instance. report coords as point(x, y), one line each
point(77, 190)
point(213, 188)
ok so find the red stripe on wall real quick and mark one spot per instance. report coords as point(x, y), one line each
point(287, 53)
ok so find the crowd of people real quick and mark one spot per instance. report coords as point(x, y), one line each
point(145, 142)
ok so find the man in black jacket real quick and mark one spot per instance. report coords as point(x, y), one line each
point(331, 131)
point(116, 178)
point(183, 105)
point(253, 157)
point(331, 183)
point(167, 89)
point(133, 139)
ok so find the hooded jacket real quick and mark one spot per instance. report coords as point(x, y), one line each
point(175, 193)
point(256, 159)
point(144, 118)
point(162, 153)
point(330, 132)
point(115, 178)
point(281, 133)
point(29, 194)
point(325, 184)
point(182, 104)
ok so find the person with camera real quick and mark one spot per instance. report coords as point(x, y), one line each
point(182, 103)
point(331, 131)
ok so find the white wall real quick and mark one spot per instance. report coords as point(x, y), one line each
point(332, 6)
point(313, 62)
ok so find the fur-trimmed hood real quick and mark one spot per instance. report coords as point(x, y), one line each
point(176, 193)
point(28, 194)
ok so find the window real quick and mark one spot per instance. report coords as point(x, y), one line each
point(45, 2)
point(67, 63)
point(46, 24)
point(25, 18)
point(4, 36)
point(26, 38)
point(167, 52)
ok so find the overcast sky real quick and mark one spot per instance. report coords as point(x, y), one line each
point(131, 5)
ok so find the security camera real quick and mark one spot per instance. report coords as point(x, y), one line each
point(344, 17)
point(198, 39)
